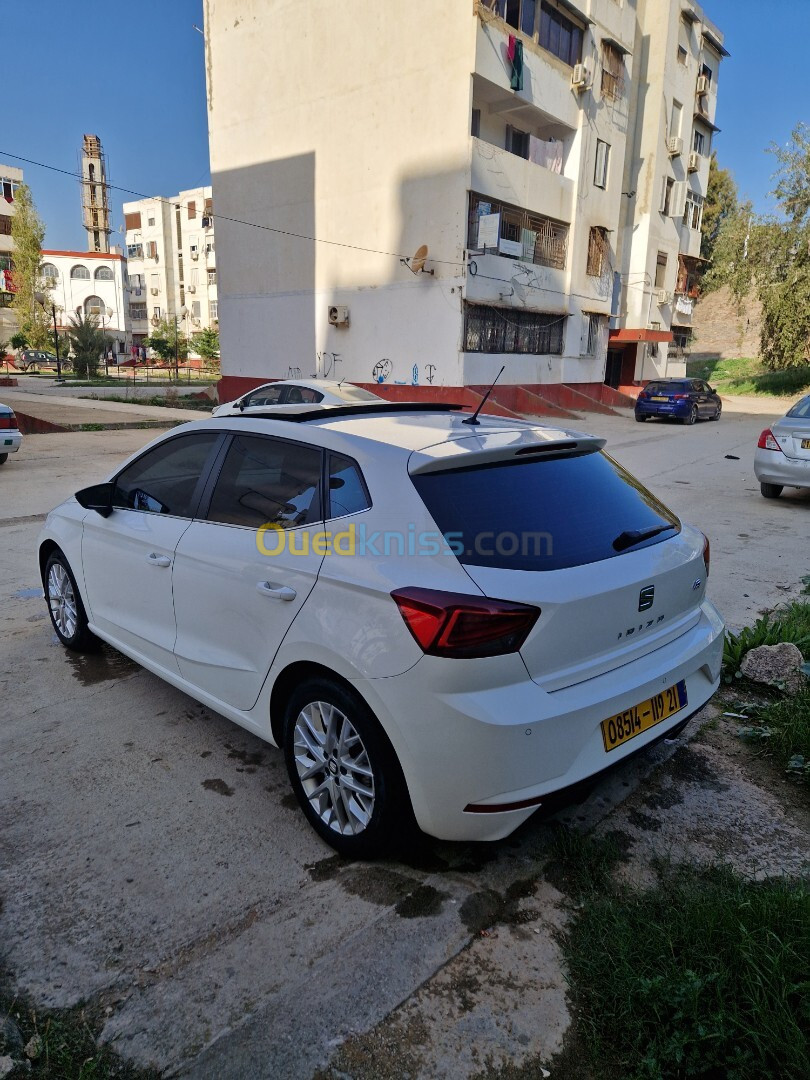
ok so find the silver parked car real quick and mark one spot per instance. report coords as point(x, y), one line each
point(782, 456)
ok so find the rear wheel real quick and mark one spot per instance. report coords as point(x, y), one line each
point(65, 606)
point(3, 459)
point(718, 411)
point(771, 491)
point(692, 417)
point(343, 770)
point(640, 417)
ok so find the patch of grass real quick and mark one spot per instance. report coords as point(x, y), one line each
point(178, 401)
point(581, 864)
point(703, 976)
point(746, 376)
point(791, 623)
point(782, 730)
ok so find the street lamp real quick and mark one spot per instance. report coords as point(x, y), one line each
point(41, 298)
point(183, 315)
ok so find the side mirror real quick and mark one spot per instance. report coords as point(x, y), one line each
point(712, 390)
point(98, 497)
point(241, 404)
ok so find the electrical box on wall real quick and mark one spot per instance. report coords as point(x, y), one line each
point(338, 315)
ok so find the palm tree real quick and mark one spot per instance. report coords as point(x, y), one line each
point(87, 343)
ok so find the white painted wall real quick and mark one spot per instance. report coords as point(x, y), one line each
point(69, 292)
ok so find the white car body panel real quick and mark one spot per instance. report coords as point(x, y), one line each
point(790, 465)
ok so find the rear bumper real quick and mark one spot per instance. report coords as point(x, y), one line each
point(654, 408)
point(774, 467)
point(516, 743)
point(10, 441)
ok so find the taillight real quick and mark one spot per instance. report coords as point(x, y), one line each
point(679, 397)
point(707, 553)
point(8, 420)
point(461, 626)
point(768, 442)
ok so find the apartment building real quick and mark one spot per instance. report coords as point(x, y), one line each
point(171, 262)
point(89, 283)
point(678, 54)
point(444, 194)
point(10, 178)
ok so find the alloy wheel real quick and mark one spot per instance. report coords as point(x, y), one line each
point(62, 600)
point(334, 768)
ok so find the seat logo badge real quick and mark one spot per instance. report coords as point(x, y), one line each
point(696, 584)
point(646, 598)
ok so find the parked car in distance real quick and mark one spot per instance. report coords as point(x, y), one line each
point(782, 456)
point(10, 434)
point(296, 392)
point(35, 358)
point(437, 622)
point(688, 400)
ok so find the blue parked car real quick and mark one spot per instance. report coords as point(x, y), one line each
point(689, 400)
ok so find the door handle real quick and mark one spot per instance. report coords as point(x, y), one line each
point(158, 560)
point(280, 592)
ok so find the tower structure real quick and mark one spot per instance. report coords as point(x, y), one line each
point(95, 194)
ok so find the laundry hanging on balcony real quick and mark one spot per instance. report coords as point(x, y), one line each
point(514, 53)
point(546, 152)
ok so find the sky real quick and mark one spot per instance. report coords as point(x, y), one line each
point(134, 75)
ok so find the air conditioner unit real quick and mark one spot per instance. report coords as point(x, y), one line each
point(663, 297)
point(703, 84)
point(694, 161)
point(338, 315)
point(580, 79)
point(191, 288)
point(154, 292)
point(675, 145)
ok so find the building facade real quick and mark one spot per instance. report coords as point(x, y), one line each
point(90, 283)
point(171, 262)
point(10, 178)
point(445, 196)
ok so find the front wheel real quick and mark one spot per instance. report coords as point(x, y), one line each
point(3, 459)
point(771, 491)
point(65, 606)
point(692, 417)
point(343, 770)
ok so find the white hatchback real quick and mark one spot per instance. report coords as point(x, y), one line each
point(10, 434)
point(292, 393)
point(435, 620)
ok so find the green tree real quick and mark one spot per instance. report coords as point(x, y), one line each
point(87, 343)
point(18, 342)
point(721, 201)
point(164, 339)
point(206, 345)
point(28, 234)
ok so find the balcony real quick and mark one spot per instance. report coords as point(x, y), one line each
point(508, 178)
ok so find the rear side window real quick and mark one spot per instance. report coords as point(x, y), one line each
point(542, 515)
point(356, 393)
point(164, 480)
point(801, 409)
point(347, 492)
point(301, 395)
point(267, 482)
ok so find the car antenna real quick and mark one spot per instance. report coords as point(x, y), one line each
point(473, 420)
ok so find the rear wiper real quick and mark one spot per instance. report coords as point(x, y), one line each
point(630, 537)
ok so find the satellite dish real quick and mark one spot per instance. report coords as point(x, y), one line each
point(419, 258)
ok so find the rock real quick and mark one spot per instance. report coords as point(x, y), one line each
point(11, 1040)
point(33, 1048)
point(775, 665)
point(7, 1065)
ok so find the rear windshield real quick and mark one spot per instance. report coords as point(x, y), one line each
point(356, 393)
point(801, 408)
point(667, 388)
point(542, 515)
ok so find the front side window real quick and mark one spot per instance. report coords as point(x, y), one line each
point(347, 492)
point(265, 395)
point(301, 395)
point(267, 481)
point(165, 480)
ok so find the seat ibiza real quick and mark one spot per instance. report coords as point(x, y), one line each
point(436, 620)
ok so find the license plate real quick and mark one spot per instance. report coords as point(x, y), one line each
point(805, 444)
point(619, 729)
point(659, 399)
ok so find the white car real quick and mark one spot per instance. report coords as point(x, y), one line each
point(10, 435)
point(433, 619)
point(296, 392)
point(782, 456)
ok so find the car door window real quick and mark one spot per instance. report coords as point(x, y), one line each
point(347, 491)
point(266, 395)
point(166, 480)
point(267, 481)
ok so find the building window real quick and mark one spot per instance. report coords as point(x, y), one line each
point(559, 35)
point(192, 210)
point(195, 310)
point(666, 194)
point(661, 270)
point(600, 172)
point(675, 119)
point(132, 221)
point(150, 222)
point(209, 248)
point(707, 71)
point(137, 311)
point(490, 329)
point(591, 333)
point(475, 123)
point(156, 312)
point(104, 273)
point(151, 250)
point(212, 277)
point(699, 143)
point(49, 273)
point(136, 281)
point(5, 225)
point(518, 234)
point(598, 251)
point(612, 72)
point(94, 305)
point(517, 142)
point(214, 309)
point(693, 212)
point(80, 272)
point(682, 55)
point(134, 251)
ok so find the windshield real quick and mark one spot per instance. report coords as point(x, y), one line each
point(801, 408)
point(667, 388)
point(544, 515)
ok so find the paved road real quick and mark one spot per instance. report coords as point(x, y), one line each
point(152, 858)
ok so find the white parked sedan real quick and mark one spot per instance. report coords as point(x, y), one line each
point(782, 456)
point(10, 435)
point(295, 392)
point(435, 620)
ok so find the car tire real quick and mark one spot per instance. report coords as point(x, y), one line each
point(65, 606)
point(771, 491)
point(356, 800)
point(640, 418)
point(718, 411)
point(3, 459)
point(692, 417)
